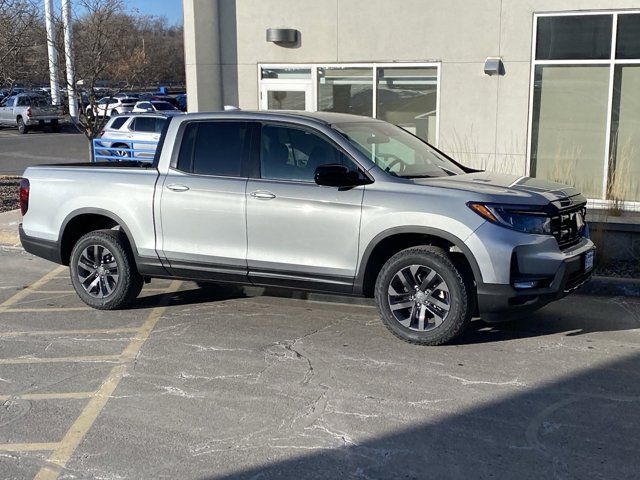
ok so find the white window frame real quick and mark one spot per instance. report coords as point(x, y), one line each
point(611, 62)
point(373, 65)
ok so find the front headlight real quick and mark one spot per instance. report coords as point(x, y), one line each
point(522, 219)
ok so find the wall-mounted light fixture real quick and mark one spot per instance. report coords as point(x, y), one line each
point(285, 36)
point(494, 66)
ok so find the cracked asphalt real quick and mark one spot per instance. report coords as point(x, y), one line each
point(224, 383)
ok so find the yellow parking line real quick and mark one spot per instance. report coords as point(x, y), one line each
point(47, 309)
point(89, 358)
point(34, 286)
point(49, 396)
point(61, 455)
point(55, 292)
point(86, 331)
point(27, 447)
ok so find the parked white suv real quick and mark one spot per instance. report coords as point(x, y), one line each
point(110, 106)
point(151, 106)
point(127, 132)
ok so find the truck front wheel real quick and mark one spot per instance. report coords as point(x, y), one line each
point(422, 297)
point(103, 272)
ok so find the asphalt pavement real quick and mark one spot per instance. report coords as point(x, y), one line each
point(17, 151)
point(225, 382)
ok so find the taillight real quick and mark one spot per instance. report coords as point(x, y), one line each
point(24, 196)
point(29, 112)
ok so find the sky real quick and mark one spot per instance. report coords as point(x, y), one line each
point(172, 9)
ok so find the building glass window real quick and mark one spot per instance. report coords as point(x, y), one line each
point(569, 125)
point(585, 120)
point(292, 73)
point(345, 90)
point(624, 176)
point(407, 97)
point(574, 37)
point(405, 94)
point(285, 100)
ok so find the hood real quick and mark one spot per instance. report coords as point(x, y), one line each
point(507, 188)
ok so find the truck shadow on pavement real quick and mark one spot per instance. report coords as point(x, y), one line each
point(569, 316)
point(581, 426)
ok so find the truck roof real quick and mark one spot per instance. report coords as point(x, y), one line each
point(326, 118)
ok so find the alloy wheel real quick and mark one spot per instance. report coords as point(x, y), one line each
point(419, 298)
point(97, 271)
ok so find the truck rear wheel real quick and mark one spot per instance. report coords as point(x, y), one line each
point(422, 297)
point(103, 272)
point(22, 128)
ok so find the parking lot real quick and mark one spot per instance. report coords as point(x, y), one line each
point(17, 151)
point(242, 383)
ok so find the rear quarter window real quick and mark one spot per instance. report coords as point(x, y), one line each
point(118, 122)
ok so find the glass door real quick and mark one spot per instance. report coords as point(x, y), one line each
point(286, 96)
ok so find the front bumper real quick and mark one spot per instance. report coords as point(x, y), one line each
point(500, 302)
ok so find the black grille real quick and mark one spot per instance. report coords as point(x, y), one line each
point(568, 226)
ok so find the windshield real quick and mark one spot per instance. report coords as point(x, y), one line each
point(396, 151)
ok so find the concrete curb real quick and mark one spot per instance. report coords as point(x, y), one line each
point(9, 222)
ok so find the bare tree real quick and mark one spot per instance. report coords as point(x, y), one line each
point(22, 43)
point(107, 48)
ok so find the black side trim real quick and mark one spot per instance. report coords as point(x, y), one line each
point(435, 232)
point(47, 249)
point(301, 281)
point(209, 271)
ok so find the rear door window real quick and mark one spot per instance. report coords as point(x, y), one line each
point(214, 148)
point(144, 124)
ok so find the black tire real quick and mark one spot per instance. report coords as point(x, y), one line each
point(129, 282)
point(55, 126)
point(22, 128)
point(459, 296)
point(114, 112)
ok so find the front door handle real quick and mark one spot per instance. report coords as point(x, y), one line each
point(177, 187)
point(262, 195)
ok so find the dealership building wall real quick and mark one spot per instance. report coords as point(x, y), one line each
point(484, 120)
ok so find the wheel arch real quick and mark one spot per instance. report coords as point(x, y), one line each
point(85, 220)
point(389, 242)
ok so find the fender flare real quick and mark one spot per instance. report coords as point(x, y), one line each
point(96, 211)
point(358, 285)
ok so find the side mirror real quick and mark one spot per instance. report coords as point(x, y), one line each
point(336, 175)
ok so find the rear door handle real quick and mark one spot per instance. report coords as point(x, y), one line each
point(262, 195)
point(177, 187)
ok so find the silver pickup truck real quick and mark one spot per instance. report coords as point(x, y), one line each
point(316, 202)
point(26, 110)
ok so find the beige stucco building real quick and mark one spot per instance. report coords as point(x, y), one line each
point(563, 102)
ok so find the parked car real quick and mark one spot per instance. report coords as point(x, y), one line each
point(127, 132)
point(27, 110)
point(317, 202)
point(152, 106)
point(165, 98)
point(108, 106)
point(126, 95)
